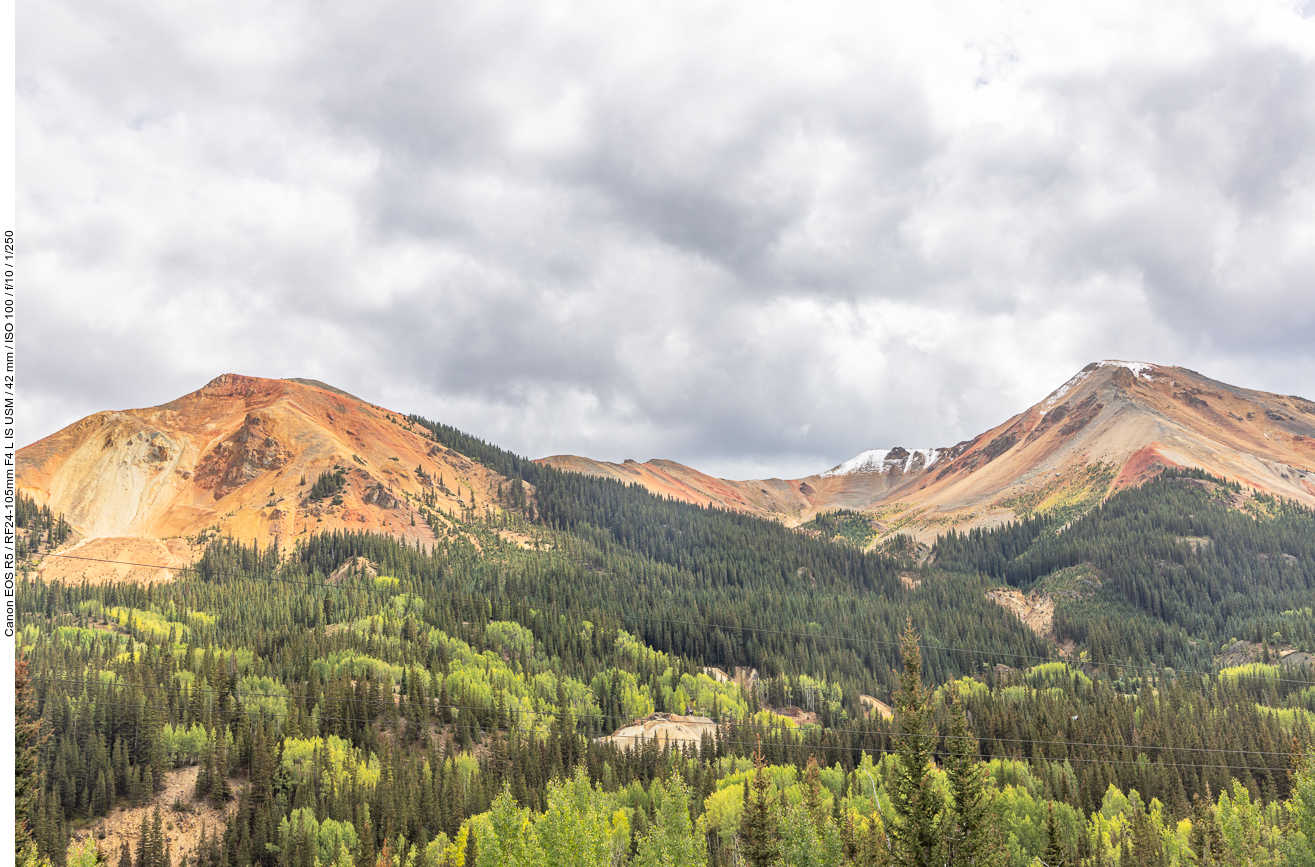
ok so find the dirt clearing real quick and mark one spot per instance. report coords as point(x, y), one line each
point(126, 823)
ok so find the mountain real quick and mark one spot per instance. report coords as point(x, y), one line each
point(1109, 426)
point(443, 693)
point(241, 456)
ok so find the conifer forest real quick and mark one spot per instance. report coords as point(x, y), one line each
point(357, 701)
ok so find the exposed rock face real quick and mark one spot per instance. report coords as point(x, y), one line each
point(1113, 424)
point(250, 453)
point(379, 496)
point(239, 456)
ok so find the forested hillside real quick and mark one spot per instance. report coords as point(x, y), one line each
point(1184, 564)
point(448, 706)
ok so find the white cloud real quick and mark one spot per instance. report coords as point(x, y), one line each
point(744, 236)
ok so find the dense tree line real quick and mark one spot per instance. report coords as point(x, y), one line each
point(42, 528)
point(326, 768)
point(448, 705)
point(1182, 569)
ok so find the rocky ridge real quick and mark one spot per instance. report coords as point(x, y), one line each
point(240, 457)
point(1111, 425)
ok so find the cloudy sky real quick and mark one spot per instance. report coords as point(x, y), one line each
point(754, 237)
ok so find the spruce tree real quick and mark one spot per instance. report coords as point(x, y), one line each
point(1054, 856)
point(760, 830)
point(674, 840)
point(472, 847)
point(157, 840)
point(28, 739)
point(1146, 845)
point(969, 837)
point(917, 805)
point(1206, 840)
point(205, 775)
point(144, 843)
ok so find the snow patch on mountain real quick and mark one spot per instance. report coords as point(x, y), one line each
point(884, 460)
point(1058, 394)
point(1141, 369)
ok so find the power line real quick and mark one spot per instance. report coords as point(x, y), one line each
point(431, 594)
point(617, 717)
point(820, 747)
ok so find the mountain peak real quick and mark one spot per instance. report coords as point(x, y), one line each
point(1113, 424)
point(1141, 369)
point(239, 456)
point(898, 459)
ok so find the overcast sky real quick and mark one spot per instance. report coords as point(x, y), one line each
point(753, 237)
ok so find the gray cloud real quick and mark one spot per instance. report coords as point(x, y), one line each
point(736, 235)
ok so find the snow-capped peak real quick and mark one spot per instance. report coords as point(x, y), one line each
point(1141, 369)
point(884, 460)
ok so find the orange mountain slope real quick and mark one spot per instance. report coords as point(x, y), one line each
point(1111, 425)
point(239, 457)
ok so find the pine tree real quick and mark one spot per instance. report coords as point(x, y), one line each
point(1146, 846)
point(760, 828)
point(144, 844)
point(969, 838)
point(472, 848)
point(205, 775)
point(1299, 846)
point(157, 840)
point(916, 803)
point(365, 850)
point(813, 793)
point(1207, 838)
point(262, 767)
point(28, 740)
point(1054, 856)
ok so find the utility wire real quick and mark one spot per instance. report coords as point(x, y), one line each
point(818, 747)
point(617, 717)
point(431, 594)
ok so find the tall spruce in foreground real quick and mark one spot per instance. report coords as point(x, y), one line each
point(968, 836)
point(28, 740)
point(760, 827)
point(1055, 856)
point(917, 804)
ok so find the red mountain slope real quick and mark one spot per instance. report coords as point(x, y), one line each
point(231, 458)
point(1111, 425)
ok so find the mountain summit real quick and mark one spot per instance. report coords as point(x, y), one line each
point(243, 456)
point(1111, 425)
point(270, 459)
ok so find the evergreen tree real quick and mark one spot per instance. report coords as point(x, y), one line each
point(157, 840)
point(472, 848)
point(968, 832)
point(1207, 838)
point(28, 740)
point(1146, 846)
point(144, 843)
point(1054, 856)
point(917, 804)
point(760, 828)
